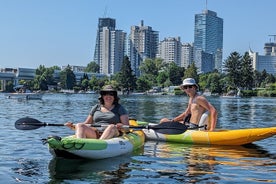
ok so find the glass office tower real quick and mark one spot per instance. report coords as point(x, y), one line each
point(208, 38)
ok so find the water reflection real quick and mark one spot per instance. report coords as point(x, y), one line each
point(195, 163)
point(27, 169)
point(112, 170)
point(98, 171)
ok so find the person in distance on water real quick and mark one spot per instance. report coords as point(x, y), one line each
point(197, 106)
point(108, 112)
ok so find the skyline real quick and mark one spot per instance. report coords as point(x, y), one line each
point(63, 32)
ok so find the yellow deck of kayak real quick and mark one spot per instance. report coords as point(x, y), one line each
point(219, 137)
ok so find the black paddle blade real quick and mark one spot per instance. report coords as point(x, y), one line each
point(169, 128)
point(28, 124)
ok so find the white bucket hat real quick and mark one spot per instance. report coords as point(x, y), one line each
point(189, 82)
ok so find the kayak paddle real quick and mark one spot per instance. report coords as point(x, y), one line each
point(167, 128)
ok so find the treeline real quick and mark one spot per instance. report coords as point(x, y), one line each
point(238, 74)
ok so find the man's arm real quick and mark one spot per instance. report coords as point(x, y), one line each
point(202, 101)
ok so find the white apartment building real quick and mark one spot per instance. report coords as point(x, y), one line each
point(187, 55)
point(170, 50)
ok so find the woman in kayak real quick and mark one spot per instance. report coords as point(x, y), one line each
point(108, 112)
point(198, 105)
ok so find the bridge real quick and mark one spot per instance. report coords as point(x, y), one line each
point(15, 74)
point(8, 74)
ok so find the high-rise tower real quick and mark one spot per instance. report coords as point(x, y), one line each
point(110, 46)
point(208, 41)
point(143, 44)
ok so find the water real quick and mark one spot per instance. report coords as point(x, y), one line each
point(24, 159)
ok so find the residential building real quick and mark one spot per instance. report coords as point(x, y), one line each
point(187, 55)
point(142, 44)
point(208, 38)
point(110, 46)
point(170, 50)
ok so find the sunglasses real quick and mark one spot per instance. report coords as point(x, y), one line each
point(188, 86)
point(111, 93)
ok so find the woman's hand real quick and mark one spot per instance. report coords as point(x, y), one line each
point(70, 125)
point(119, 126)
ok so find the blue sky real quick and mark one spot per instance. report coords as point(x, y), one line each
point(62, 32)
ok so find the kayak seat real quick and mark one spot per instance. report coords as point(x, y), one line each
point(204, 121)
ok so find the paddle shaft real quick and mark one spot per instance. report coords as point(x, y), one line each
point(172, 127)
point(124, 126)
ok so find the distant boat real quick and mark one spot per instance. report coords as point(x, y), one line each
point(27, 96)
point(90, 92)
point(232, 94)
point(22, 93)
point(67, 91)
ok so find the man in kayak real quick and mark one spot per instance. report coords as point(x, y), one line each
point(107, 113)
point(198, 105)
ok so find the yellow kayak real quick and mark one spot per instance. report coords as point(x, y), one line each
point(219, 137)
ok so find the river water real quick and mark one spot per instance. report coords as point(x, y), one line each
point(25, 159)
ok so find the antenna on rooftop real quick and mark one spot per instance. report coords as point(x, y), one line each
point(206, 2)
point(274, 38)
point(105, 11)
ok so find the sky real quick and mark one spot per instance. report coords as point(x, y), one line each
point(62, 32)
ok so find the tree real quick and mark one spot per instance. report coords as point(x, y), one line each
point(92, 67)
point(191, 72)
point(246, 72)
point(176, 74)
point(143, 84)
point(256, 79)
point(94, 83)
point(150, 69)
point(233, 70)
point(9, 86)
point(44, 77)
point(67, 78)
point(162, 78)
point(213, 82)
point(84, 82)
point(125, 77)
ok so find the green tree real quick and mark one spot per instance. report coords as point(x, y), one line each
point(125, 77)
point(44, 77)
point(270, 79)
point(92, 67)
point(246, 72)
point(233, 70)
point(94, 83)
point(163, 78)
point(143, 84)
point(9, 86)
point(149, 70)
point(263, 77)
point(149, 66)
point(176, 74)
point(67, 78)
point(84, 82)
point(213, 82)
point(191, 72)
point(256, 79)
